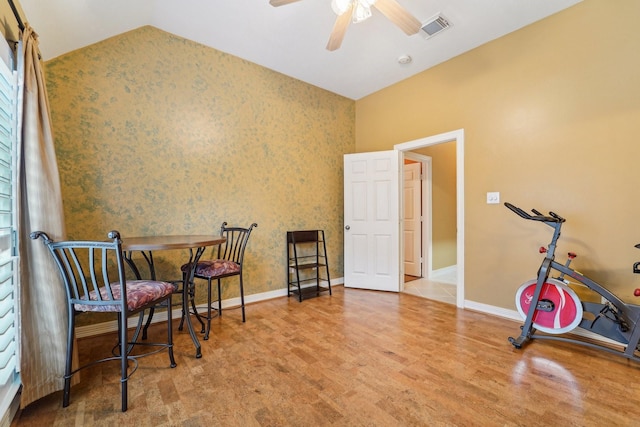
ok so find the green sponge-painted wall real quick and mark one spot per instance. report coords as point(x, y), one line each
point(156, 134)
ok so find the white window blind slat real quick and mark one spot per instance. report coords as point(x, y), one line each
point(8, 261)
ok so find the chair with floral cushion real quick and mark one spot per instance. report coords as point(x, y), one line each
point(229, 262)
point(94, 278)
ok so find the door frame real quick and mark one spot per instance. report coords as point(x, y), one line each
point(458, 137)
point(425, 200)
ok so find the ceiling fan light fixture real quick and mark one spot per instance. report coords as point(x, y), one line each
point(361, 12)
point(361, 8)
point(340, 6)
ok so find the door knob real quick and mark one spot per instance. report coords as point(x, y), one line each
point(347, 228)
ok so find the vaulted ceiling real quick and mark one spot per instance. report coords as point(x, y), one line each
point(291, 39)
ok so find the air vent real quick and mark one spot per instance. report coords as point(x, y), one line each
point(435, 25)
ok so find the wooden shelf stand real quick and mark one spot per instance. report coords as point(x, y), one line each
point(307, 265)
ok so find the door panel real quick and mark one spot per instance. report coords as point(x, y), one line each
point(371, 215)
point(412, 220)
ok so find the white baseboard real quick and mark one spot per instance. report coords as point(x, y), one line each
point(515, 315)
point(493, 310)
point(444, 270)
point(112, 326)
point(445, 273)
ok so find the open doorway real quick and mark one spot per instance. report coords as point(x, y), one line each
point(435, 207)
point(414, 149)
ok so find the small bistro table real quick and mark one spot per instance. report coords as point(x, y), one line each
point(196, 245)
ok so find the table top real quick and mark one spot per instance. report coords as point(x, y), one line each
point(157, 243)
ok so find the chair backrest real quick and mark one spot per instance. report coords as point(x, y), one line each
point(92, 271)
point(237, 238)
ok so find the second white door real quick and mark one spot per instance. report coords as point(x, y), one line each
point(412, 225)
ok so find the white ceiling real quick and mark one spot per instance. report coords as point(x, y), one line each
point(291, 39)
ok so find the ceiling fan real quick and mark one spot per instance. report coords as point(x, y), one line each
point(358, 11)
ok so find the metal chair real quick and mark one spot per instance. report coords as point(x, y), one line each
point(94, 278)
point(228, 262)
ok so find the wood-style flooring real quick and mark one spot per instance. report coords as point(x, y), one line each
point(357, 358)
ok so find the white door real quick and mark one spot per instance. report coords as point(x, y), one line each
point(372, 221)
point(412, 225)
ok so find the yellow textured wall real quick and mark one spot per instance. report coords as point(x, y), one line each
point(156, 134)
point(551, 115)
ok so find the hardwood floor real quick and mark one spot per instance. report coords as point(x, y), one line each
point(357, 358)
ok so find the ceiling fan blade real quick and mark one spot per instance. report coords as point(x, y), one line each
point(339, 30)
point(399, 16)
point(281, 2)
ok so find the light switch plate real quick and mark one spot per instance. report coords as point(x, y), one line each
point(493, 197)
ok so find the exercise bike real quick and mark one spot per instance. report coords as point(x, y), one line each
point(548, 305)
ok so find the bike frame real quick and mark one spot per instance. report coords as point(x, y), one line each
point(628, 313)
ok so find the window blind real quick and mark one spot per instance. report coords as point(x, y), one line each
point(8, 258)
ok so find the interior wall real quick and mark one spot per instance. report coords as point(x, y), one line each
point(443, 203)
point(156, 134)
point(551, 115)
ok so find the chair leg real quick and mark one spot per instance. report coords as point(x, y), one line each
point(206, 334)
point(219, 300)
point(172, 361)
point(124, 376)
point(68, 363)
point(182, 305)
point(242, 299)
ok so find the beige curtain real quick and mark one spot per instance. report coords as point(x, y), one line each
point(42, 297)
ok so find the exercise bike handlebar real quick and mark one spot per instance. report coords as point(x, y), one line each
point(538, 216)
point(555, 220)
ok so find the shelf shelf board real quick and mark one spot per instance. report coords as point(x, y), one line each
point(310, 291)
